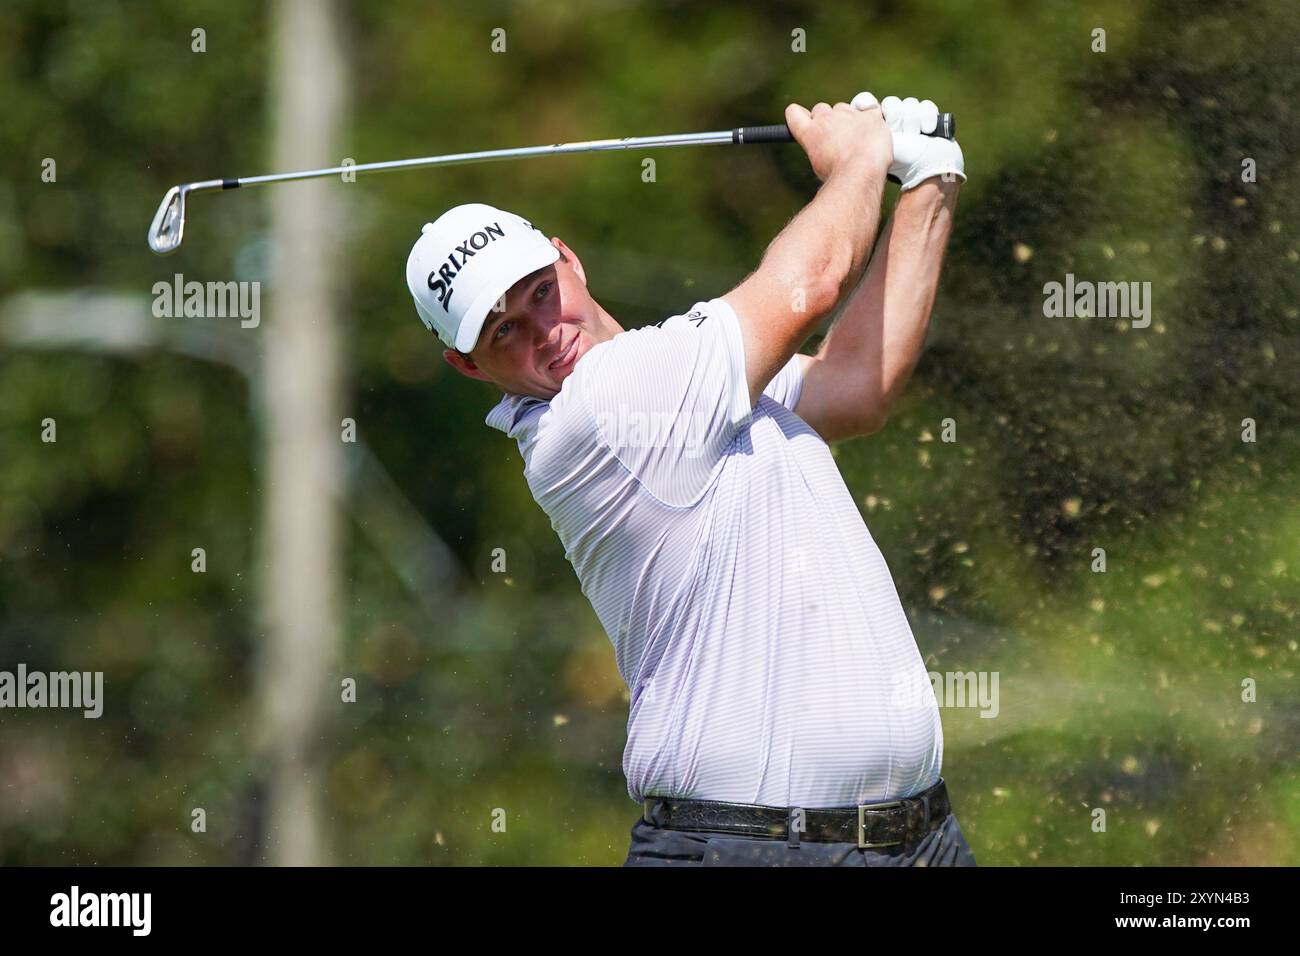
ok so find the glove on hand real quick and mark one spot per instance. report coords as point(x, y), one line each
point(917, 157)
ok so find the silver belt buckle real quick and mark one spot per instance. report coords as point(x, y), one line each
point(863, 810)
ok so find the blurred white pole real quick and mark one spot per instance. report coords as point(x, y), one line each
point(301, 426)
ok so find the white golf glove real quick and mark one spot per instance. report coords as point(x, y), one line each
point(917, 156)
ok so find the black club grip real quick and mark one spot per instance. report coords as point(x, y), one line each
point(780, 133)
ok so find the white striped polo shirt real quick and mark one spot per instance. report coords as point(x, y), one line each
point(752, 616)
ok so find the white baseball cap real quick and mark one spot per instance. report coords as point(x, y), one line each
point(465, 261)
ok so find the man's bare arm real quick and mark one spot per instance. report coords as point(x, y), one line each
point(852, 382)
point(822, 251)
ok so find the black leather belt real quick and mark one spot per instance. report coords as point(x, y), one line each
point(869, 825)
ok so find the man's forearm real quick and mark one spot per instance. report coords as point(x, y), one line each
point(874, 345)
point(823, 250)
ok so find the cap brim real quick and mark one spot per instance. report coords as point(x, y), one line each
point(471, 325)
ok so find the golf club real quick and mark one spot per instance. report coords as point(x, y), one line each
point(168, 227)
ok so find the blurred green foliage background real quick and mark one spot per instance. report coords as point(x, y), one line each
point(1120, 690)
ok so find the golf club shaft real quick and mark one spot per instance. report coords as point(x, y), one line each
point(491, 155)
point(168, 227)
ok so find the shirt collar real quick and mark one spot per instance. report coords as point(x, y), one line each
point(510, 411)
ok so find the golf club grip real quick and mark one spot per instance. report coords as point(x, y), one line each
point(780, 133)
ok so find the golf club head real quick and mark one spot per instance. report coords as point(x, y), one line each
point(168, 228)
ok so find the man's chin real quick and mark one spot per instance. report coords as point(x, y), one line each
point(557, 380)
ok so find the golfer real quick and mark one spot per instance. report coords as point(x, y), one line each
point(774, 716)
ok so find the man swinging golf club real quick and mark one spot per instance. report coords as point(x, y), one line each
point(686, 470)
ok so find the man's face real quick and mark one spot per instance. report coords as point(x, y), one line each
point(550, 321)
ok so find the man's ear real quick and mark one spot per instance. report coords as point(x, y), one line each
point(465, 365)
point(572, 258)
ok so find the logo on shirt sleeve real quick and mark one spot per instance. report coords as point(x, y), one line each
point(695, 315)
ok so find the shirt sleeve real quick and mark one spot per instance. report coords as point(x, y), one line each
point(668, 400)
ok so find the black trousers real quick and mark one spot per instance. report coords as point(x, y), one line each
point(656, 846)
